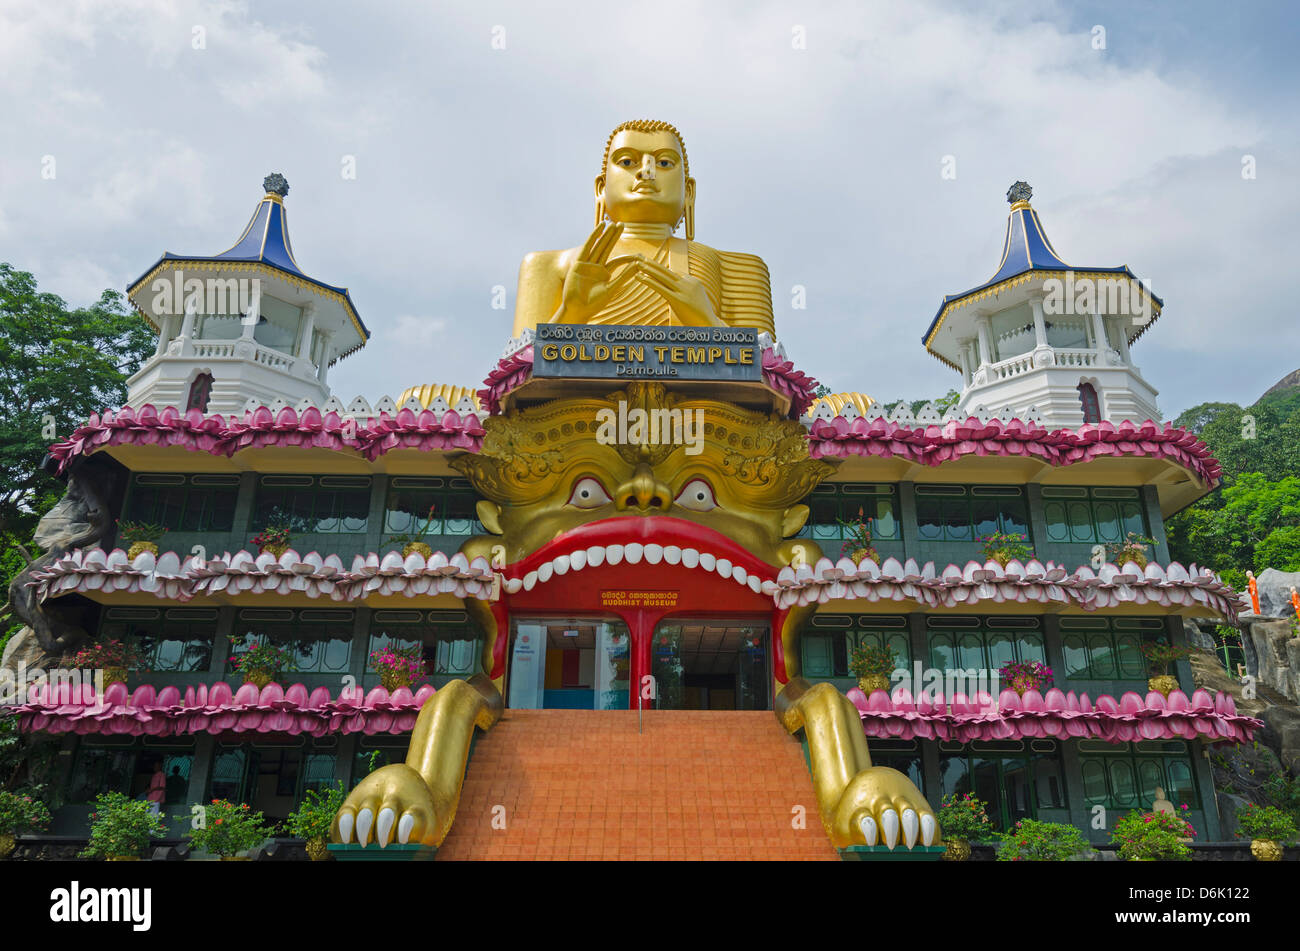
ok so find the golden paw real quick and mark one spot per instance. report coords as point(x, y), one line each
point(880, 805)
point(394, 802)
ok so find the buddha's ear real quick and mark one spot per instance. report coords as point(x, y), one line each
point(792, 520)
point(600, 200)
point(690, 209)
point(489, 515)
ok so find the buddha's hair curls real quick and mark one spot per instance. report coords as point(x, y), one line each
point(646, 125)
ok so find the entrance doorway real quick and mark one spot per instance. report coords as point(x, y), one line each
point(569, 663)
point(711, 664)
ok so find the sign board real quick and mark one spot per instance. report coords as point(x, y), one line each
point(633, 352)
point(665, 600)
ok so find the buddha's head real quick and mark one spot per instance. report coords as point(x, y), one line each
point(645, 177)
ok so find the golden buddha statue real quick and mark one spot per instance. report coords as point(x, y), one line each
point(632, 269)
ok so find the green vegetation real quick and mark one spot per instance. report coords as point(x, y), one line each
point(1034, 841)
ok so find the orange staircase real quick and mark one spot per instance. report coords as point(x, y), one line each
point(583, 784)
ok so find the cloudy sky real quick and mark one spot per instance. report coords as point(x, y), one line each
point(817, 132)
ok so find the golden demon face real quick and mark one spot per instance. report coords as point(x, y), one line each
point(642, 453)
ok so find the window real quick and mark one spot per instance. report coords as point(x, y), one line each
point(840, 502)
point(176, 640)
point(200, 392)
point(306, 504)
point(1013, 332)
point(181, 503)
point(902, 755)
point(378, 751)
point(410, 499)
point(826, 652)
point(271, 777)
point(959, 513)
point(1125, 775)
point(449, 640)
point(1016, 778)
point(1100, 515)
point(1068, 333)
point(984, 644)
point(175, 764)
point(98, 769)
point(321, 638)
point(277, 324)
point(1098, 648)
point(1090, 404)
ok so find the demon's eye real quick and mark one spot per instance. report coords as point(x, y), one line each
point(588, 493)
point(697, 495)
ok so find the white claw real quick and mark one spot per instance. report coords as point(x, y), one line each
point(365, 819)
point(869, 832)
point(888, 827)
point(404, 828)
point(345, 827)
point(384, 827)
point(910, 827)
point(927, 829)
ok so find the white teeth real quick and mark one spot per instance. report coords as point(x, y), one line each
point(384, 826)
point(404, 828)
point(578, 560)
point(707, 561)
point(769, 587)
point(365, 819)
point(723, 567)
point(632, 553)
point(672, 554)
point(561, 564)
point(755, 585)
point(544, 572)
point(910, 827)
point(595, 556)
point(690, 557)
point(345, 827)
point(530, 579)
point(654, 554)
point(613, 554)
point(514, 584)
point(889, 826)
point(868, 826)
point(739, 574)
point(927, 829)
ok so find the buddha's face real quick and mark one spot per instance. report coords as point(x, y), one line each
point(645, 178)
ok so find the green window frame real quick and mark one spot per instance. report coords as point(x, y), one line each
point(203, 502)
point(237, 769)
point(449, 639)
point(966, 513)
point(100, 767)
point(830, 638)
point(454, 503)
point(1016, 778)
point(320, 505)
point(321, 638)
point(902, 755)
point(833, 503)
point(174, 640)
point(983, 643)
point(1083, 515)
point(1101, 648)
point(1125, 775)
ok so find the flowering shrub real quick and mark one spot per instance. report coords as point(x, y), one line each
point(229, 828)
point(1153, 835)
point(858, 543)
point(132, 532)
point(1034, 841)
point(1265, 822)
point(272, 537)
point(1003, 547)
point(399, 664)
point(1160, 655)
point(267, 656)
point(1132, 548)
point(1027, 675)
point(121, 826)
point(867, 659)
point(964, 817)
point(109, 653)
point(313, 818)
point(22, 813)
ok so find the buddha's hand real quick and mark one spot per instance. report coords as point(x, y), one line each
point(877, 805)
point(394, 802)
point(591, 281)
point(686, 295)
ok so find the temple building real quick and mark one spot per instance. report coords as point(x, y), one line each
point(638, 561)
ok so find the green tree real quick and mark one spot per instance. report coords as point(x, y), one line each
point(59, 365)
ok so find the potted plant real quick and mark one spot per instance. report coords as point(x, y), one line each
point(1159, 655)
point(120, 828)
point(857, 545)
point(229, 828)
point(314, 816)
point(1152, 836)
point(413, 542)
point(140, 537)
point(398, 667)
point(112, 656)
point(872, 666)
point(262, 662)
point(1027, 675)
point(1133, 548)
point(1003, 547)
point(19, 812)
point(1268, 828)
point(962, 818)
point(274, 540)
point(1034, 841)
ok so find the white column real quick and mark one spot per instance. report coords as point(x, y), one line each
point(1099, 331)
point(326, 354)
point(1040, 328)
point(1123, 344)
point(191, 313)
point(308, 325)
point(983, 329)
point(962, 358)
point(249, 323)
point(164, 334)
